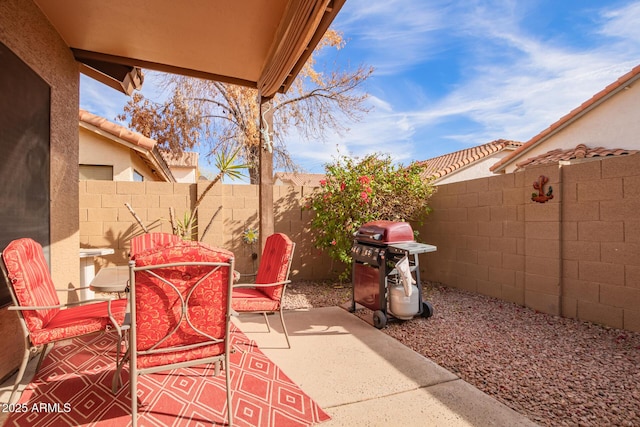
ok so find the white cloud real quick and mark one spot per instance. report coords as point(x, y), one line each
point(383, 132)
point(512, 79)
point(392, 35)
point(622, 22)
point(100, 99)
point(515, 83)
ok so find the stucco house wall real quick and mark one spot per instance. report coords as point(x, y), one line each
point(478, 169)
point(184, 175)
point(96, 149)
point(615, 123)
point(45, 52)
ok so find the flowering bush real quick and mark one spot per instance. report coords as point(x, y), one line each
point(358, 191)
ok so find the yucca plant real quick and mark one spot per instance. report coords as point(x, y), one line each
point(225, 162)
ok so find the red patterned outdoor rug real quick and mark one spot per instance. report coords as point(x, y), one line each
point(73, 388)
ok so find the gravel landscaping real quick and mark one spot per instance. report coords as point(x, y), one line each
point(554, 371)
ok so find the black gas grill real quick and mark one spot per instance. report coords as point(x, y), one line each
point(376, 249)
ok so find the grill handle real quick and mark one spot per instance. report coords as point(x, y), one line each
point(373, 236)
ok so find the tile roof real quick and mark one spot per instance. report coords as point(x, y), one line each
point(299, 179)
point(581, 151)
point(117, 130)
point(183, 159)
point(148, 151)
point(438, 167)
point(615, 87)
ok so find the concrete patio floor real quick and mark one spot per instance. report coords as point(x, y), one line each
point(363, 377)
point(360, 376)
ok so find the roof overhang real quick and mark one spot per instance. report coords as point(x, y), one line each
point(621, 84)
point(254, 43)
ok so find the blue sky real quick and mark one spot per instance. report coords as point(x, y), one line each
point(454, 74)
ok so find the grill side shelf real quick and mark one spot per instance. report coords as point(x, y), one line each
point(411, 248)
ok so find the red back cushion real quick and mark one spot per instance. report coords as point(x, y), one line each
point(151, 240)
point(274, 265)
point(31, 280)
point(158, 306)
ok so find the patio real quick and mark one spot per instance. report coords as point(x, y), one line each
point(361, 376)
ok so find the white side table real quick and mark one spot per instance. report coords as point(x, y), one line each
point(111, 280)
point(88, 270)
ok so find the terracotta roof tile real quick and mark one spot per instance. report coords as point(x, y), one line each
point(438, 167)
point(184, 159)
point(117, 130)
point(581, 151)
point(599, 97)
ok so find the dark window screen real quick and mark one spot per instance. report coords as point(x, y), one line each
point(24, 158)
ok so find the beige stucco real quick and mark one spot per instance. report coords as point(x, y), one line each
point(185, 175)
point(612, 124)
point(477, 169)
point(45, 52)
point(98, 149)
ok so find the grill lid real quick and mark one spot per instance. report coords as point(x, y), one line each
point(384, 232)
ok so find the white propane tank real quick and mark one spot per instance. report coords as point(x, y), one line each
point(402, 306)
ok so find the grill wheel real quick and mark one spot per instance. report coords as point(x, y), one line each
point(379, 319)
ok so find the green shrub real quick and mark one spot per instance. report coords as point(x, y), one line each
point(358, 191)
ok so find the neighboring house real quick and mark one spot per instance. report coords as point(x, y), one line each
point(184, 166)
point(470, 163)
point(608, 124)
point(298, 179)
point(579, 153)
point(109, 151)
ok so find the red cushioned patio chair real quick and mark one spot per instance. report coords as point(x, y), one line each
point(147, 241)
point(266, 294)
point(43, 319)
point(180, 312)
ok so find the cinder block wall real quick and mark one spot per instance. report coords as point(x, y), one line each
point(601, 242)
point(577, 255)
point(223, 215)
point(106, 222)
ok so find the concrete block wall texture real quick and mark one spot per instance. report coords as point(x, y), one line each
point(577, 255)
point(223, 215)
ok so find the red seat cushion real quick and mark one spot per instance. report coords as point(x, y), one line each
point(158, 307)
point(274, 264)
point(79, 320)
point(250, 299)
point(32, 284)
point(31, 280)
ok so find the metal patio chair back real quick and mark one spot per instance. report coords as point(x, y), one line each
point(44, 320)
